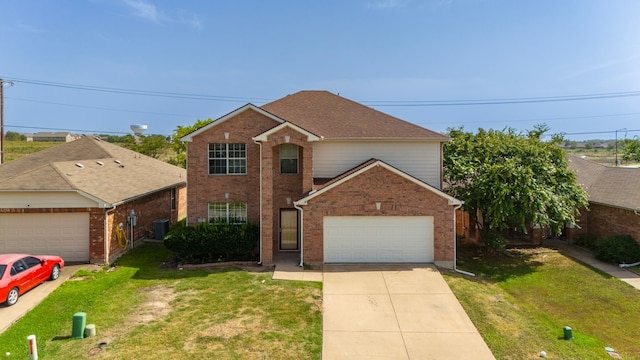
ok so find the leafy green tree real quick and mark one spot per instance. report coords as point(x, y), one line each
point(178, 146)
point(631, 149)
point(511, 180)
point(14, 136)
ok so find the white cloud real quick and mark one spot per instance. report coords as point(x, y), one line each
point(150, 12)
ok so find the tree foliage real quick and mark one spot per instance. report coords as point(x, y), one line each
point(510, 180)
point(178, 146)
point(631, 149)
point(14, 136)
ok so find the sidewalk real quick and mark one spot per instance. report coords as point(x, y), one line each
point(588, 258)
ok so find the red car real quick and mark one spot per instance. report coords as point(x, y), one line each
point(20, 273)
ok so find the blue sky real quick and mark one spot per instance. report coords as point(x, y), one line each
point(416, 60)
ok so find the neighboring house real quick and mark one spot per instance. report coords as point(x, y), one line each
point(326, 178)
point(70, 200)
point(54, 136)
point(614, 199)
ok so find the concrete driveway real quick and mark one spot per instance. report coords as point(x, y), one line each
point(395, 312)
point(10, 314)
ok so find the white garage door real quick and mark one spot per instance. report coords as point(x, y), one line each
point(378, 239)
point(62, 234)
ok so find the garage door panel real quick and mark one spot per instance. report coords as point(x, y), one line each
point(378, 239)
point(63, 234)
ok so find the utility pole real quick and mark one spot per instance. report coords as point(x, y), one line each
point(2, 84)
point(1, 121)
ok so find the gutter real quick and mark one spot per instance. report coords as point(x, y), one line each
point(107, 238)
point(260, 246)
point(295, 205)
point(455, 245)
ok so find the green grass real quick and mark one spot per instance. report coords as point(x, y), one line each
point(521, 302)
point(16, 149)
point(145, 311)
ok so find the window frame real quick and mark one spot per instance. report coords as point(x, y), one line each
point(225, 160)
point(235, 213)
point(288, 157)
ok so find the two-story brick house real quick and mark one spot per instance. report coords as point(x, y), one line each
point(327, 178)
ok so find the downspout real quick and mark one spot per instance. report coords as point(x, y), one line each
point(107, 239)
point(301, 234)
point(455, 245)
point(260, 246)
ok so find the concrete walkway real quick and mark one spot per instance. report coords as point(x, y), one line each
point(10, 314)
point(391, 312)
point(588, 258)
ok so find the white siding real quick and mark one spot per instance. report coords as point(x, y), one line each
point(418, 159)
point(42, 199)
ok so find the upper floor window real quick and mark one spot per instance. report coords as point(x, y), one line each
point(227, 159)
point(232, 213)
point(288, 159)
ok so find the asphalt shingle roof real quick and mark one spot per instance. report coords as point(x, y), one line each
point(334, 117)
point(99, 175)
point(613, 186)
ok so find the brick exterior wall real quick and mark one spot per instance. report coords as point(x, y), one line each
point(203, 188)
point(276, 188)
point(399, 197)
point(604, 221)
point(156, 206)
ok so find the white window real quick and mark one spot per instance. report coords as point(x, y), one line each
point(227, 159)
point(232, 213)
point(288, 159)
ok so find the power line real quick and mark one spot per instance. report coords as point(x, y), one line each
point(84, 131)
point(505, 101)
point(138, 92)
point(100, 108)
point(381, 103)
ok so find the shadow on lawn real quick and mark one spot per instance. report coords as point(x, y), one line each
point(156, 262)
point(497, 267)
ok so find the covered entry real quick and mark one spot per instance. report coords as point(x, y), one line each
point(378, 239)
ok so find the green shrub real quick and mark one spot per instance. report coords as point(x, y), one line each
point(214, 242)
point(618, 249)
point(587, 240)
point(494, 240)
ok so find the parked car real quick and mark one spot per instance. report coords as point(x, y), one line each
point(20, 273)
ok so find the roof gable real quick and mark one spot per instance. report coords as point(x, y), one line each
point(266, 134)
point(364, 167)
point(231, 115)
point(334, 117)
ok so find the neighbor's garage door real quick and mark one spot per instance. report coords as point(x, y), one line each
point(63, 234)
point(378, 239)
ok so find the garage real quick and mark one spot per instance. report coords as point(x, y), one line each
point(62, 234)
point(378, 239)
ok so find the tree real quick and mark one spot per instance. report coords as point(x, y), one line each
point(178, 146)
point(510, 180)
point(631, 149)
point(14, 136)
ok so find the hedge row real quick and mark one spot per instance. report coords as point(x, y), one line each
point(617, 249)
point(214, 242)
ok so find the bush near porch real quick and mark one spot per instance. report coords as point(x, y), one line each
point(216, 242)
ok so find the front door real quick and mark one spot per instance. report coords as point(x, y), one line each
point(288, 229)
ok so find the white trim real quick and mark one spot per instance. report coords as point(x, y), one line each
point(265, 135)
point(189, 137)
point(305, 200)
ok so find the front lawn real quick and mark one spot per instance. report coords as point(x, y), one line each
point(520, 304)
point(143, 310)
